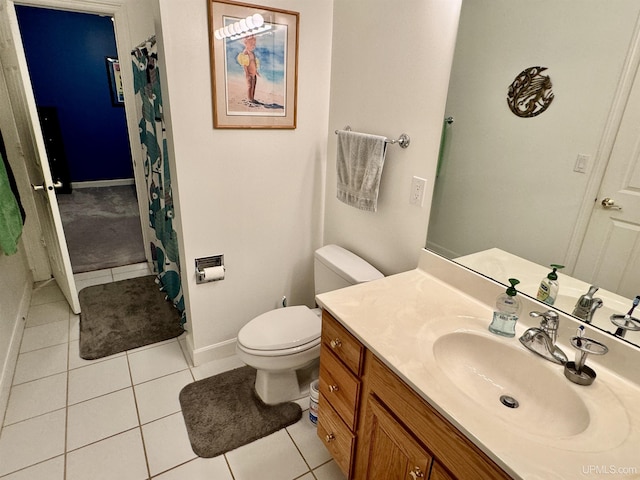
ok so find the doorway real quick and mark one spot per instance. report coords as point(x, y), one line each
point(82, 117)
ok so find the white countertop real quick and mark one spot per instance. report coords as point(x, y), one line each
point(400, 317)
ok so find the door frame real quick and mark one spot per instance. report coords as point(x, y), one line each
point(605, 148)
point(116, 9)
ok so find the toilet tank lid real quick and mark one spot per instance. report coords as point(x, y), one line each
point(347, 264)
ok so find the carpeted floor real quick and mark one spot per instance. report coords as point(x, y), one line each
point(223, 412)
point(123, 315)
point(102, 227)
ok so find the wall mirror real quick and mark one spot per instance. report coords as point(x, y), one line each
point(522, 190)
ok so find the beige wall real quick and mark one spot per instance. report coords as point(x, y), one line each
point(253, 195)
point(390, 71)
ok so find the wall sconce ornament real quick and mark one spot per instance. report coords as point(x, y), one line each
point(530, 93)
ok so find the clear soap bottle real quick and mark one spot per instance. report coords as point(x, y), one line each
point(548, 290)
point(506, 313)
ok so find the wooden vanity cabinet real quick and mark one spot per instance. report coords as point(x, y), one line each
point(376, 427)
point(341, 362)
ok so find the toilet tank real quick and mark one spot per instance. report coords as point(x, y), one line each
point(335, 267)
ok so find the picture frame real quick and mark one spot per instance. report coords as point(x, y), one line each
point(115, 81)
point(254, 65)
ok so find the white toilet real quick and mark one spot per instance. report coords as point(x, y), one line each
point(283, 345)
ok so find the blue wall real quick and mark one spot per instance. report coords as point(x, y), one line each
point(66, 56)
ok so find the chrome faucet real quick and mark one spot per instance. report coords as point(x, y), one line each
point(542, 340)
point(587, 305)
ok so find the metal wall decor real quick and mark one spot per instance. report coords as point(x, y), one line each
point(530, 93)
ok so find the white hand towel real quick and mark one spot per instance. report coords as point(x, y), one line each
point(359, 162)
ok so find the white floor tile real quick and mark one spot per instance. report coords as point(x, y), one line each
point(75, 361)
point(100, 418)
point(159, 398)
point(199, 469)
point(105, 272)
point(308, 476)
point(48, 313)
point(98, 379)
point(46, 292)
point(274, 457)
point(45, 335)
point(329, 471)
point(116, 458)
point(26, 443)
point(136, 267)
point(74, 327)
point(215, 367)
point(34, 398)
point(40, 363)
point(167, 443)
point(156, 362)
point(50, 470)
point(304, 434)
point(131, 274)
point(90, 282)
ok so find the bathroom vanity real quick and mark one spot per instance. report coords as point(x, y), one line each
point(411, 380)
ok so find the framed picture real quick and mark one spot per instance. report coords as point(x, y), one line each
point(254, 65)
point(115, 81)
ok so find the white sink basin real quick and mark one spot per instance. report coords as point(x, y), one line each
point(485, 369)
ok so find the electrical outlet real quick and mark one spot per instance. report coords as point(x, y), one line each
point(418, 186)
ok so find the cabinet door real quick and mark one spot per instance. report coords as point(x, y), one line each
point(439, 473)
point(393, 452)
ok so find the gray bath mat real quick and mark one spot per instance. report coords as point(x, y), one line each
point(123, 315)
point(223, 412)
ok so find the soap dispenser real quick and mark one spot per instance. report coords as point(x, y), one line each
point(548, 290)
point(506, 313)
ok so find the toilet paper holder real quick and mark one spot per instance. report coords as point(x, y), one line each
point(206, 263)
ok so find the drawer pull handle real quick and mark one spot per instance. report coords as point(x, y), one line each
point(336, 343)
point(333, 388)
point(416, 473)
point(330, 437)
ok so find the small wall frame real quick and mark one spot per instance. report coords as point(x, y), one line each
point(254, 72)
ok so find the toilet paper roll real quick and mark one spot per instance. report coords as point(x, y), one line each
point(213, 273)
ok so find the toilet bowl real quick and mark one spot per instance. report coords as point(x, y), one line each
point(278, 344)
point(283, 345)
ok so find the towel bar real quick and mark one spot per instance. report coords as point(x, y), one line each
point(403, 140)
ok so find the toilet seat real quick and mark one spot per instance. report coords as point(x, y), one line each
point(284, 331)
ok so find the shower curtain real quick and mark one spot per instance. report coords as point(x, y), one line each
point(164, 242)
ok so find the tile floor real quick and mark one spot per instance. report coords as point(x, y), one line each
point(119, 417)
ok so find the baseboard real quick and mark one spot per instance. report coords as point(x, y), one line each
point(211, 352)
point(118, 182)
point(6, 375)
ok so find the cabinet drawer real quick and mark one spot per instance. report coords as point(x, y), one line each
point(335, 436)
point(340, 388)
point(344, 345)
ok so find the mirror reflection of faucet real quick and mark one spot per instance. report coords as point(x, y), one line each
point(587, 305)
point(626, 322)
point(542, 340)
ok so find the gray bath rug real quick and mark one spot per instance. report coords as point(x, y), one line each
point(123, 315)
point(102, 227)
point(223, 412)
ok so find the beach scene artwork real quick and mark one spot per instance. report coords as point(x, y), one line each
point(255, 73)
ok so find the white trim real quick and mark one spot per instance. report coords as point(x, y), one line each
point(104, 183)
point(8, 369)
point(211, 352)
point(603, 154)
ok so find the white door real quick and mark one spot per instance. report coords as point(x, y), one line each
point(610, 253)
point(33, 151)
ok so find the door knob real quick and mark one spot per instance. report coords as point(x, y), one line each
point(57, 184)
point(610, 204)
